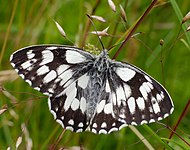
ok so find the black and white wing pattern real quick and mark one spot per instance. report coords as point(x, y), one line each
point(129, 97)
point(89, 92)
point(60, 73)
point(46, 68)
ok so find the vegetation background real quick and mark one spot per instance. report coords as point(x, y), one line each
point(25, 121)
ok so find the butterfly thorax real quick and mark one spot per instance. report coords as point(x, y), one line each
point(101, 63)
point(96, 85)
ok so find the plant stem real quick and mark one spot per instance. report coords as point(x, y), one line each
point(135, 27)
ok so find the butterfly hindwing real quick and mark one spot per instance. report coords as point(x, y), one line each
point(104, 120)
point(70, 106)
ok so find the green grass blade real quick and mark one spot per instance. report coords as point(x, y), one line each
point(159, 139)
point(177, 143)
point(180, 17)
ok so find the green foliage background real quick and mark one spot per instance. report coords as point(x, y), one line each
point(24, 23)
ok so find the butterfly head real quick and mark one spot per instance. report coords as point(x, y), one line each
point(103, 55)
point(101, 62)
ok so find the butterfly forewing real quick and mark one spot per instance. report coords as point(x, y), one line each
point(89, 92)
point(139, 98)
point(48, 68)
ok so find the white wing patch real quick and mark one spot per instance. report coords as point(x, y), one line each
point(146, 87)
point(141, 103)
point(100, 106)
point(125, 74)
point(47, 57)
point(143, 92)
point(75, 104)
point(42, 70)
point(158, 97)
point(70, 92)
point(108, 108)
point(127, 90)
point(83, 81)
point(30, 54)
point(50, 76)
point(107, 86)
point(155, 105)
point(65, 76)
point(83, 104)
point(62, 68)
point(74, 57)
point(26, 64)
point(131, 105)
point(120, 95)
point(114, 100)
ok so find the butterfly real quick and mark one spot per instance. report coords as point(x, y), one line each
point(92, 93)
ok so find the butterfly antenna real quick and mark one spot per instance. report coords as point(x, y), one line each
point(96, 31)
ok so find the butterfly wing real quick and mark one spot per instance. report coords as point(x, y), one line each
point(130, 97)
point(139, 98)
point(104, 120)
point(61, 73)
point(69, 108)
point(47, 68)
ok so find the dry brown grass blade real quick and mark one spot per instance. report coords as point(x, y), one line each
point(130, 33)
point(112, 5)
point(18, 142)
point(8, 75)
point(123, 14)
point(142, 138)
point(187, 17)
point(8, 30)
point(2, 110)
point(99, 18)
point(59, 27)
point(88, 25)
point(180, 118)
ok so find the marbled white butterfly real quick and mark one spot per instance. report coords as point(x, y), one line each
point(93, 93)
